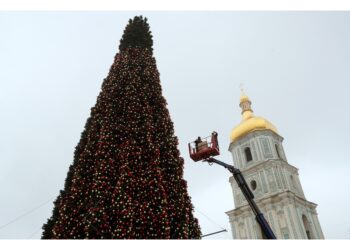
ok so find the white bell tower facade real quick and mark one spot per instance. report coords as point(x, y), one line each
point(257, 151)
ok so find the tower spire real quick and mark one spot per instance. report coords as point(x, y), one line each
point(241, 87)
point(245, 105)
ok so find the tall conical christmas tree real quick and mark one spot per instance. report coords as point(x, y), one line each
point(126, 180)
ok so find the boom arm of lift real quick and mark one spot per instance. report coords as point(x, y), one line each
point(237, 174)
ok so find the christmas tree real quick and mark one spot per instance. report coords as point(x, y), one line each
point(126, 180)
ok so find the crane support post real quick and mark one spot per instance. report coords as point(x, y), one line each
point(242, 184)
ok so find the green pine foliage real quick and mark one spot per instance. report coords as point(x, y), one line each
point(126, 180)
point(137, 34)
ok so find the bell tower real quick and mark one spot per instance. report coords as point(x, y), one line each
point(258, 152)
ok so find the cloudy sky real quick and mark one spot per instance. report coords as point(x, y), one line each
point(294, 66)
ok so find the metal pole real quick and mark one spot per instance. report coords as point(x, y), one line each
point(242, 184)
point(214, 233)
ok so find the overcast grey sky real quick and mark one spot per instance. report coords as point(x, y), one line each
point(294, 65)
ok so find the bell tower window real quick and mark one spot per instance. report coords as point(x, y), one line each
point(277, 151)
point(248, 154)
point(253, 184)
point(307, 227)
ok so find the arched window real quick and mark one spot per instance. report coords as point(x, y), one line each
point(277, 151)
point(292, 180)
point(248, 154)
point(307, 227)
point(253, 185)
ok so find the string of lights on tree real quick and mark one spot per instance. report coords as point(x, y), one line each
point(126, 180)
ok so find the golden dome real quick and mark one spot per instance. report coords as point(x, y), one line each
point(249, 122)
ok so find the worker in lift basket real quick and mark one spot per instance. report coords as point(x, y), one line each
point(200, 144)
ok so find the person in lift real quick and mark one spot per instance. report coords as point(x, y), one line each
point(196, 142)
